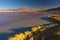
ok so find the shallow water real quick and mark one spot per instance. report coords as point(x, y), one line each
point(11, 20)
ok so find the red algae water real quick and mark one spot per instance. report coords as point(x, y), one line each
point(11, 20)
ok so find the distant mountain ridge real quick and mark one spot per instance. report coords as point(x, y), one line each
point(54, 9)
point(20, 10)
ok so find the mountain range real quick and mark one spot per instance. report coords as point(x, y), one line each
point(19, 10)
point(31, 10)
point(54, 9)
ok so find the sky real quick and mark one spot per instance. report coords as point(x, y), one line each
point(37, 4)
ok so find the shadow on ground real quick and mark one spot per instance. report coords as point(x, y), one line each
point(47, 19)
point(48, 33)
point(5, 36)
